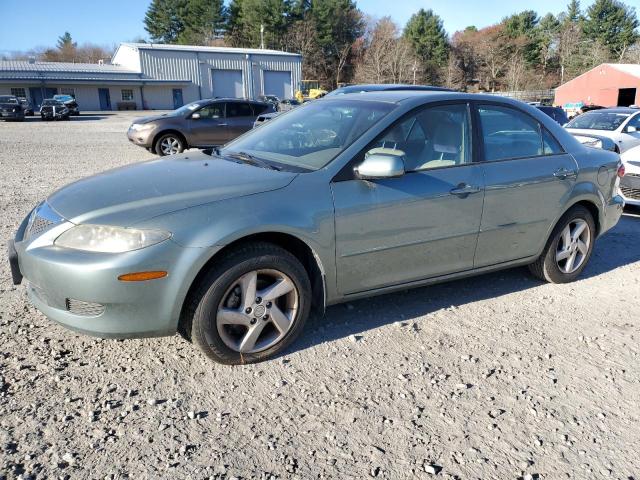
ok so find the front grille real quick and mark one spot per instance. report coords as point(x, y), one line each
point(38, 226)
point(633, 193)
point(85, 309)
point(633, 175)
point(42, 219)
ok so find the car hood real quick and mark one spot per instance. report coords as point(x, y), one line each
point(128, 195)
point(587, 131)
point(7, 105)
point(150, 118)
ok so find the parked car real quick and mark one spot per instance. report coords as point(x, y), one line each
point(554, 112)
point(383, 88)
point(343, 198)
point(589, 108)
point(272, 99)
point(630, 183)
point(201, 124)
point(70, 102)
point(622, 125)
point(52, 109)
point(26, 107)
point(288, 104)
point(10, 108)
point(265, 117)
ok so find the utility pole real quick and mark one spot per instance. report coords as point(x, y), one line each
point(262, 36)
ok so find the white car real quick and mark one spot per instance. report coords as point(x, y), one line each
point(630, 183)
point(622, 125)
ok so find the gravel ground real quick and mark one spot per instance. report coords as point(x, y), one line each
point(499, 376)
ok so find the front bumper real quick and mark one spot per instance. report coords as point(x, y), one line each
point(142, 138)
point(630, 188)
point(60, 278)
point(49, 114)
point(13, 115)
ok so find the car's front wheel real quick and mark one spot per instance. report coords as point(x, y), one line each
point(568, 249)
point(169, 144)
point(250, 306)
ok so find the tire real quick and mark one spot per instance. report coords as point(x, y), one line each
point(162, 148)
point(547, 267)
point(221, 290)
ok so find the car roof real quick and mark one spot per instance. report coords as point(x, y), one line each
point(614, 110)
point(228, 99)
point(372, 87)
point(415, 96)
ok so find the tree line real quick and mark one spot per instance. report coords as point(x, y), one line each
point(341, 44)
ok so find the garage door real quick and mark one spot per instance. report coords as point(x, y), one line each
point(227, 83)
point(277, 83)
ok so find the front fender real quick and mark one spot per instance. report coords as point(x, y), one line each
point(303, 209)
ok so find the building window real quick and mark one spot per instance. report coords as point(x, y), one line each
point(127, 95)
point(18, 92)
point(68, 91)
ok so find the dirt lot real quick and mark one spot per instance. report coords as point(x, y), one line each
point(494, 377)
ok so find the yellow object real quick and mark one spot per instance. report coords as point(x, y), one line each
point(310, 90)
point(142, 276)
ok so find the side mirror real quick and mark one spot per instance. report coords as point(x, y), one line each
point(195, 116)
point(631, 129)
point(381, 163)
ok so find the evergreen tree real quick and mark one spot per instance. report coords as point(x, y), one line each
point(194, 22)
point(426, 34)
point(613, 24)
point(573, 13)
point(65, 42)
point(162, 20)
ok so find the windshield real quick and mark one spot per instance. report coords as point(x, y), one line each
point(312, 135)
point(52, 102)
point(188, 108)
point(8, 99)
point(63, 98)
point(599, 120)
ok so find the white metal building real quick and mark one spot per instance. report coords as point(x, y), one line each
point(153, 76)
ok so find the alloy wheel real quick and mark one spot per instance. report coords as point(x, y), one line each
point(257, 311)
point(573, 246)
point(170, 145)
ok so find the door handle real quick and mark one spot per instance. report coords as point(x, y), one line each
point(464, 189)
point(223, 124)
point(563, 174)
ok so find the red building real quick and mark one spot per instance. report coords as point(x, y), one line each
point(608, 85)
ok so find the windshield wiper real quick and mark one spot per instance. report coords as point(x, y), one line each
point(251, 160)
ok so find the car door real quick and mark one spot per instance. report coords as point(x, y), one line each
point(629, 135)
point(208, 126)
point(422, 224)
point(240, 118)
point(528, 180)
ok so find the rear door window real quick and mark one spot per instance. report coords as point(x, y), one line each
point(239, 109)
point(508, 133)
point(259, 108)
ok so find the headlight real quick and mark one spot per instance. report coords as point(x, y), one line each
point(136, 127)
point(106, 239)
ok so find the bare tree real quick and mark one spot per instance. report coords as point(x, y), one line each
point(386, 57)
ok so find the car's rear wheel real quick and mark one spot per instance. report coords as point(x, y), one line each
point(250, 306)
point(568, 249)
point(169, 144)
